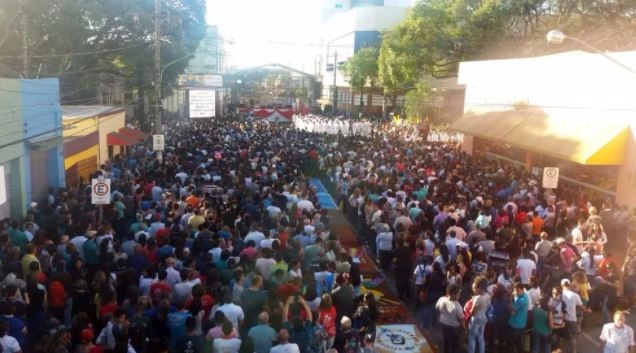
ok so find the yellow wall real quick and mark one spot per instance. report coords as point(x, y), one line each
point(104, 124)
point(87, 153)
point(626, 183)
point(79, 127)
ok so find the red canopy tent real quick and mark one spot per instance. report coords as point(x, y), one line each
point(133, 133)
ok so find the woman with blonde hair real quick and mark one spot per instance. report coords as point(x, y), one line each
point(327, 319)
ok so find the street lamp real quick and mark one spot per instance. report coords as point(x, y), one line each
point(556, 36)
point(158, 111)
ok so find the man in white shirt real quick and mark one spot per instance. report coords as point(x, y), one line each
point(232, 312)
point(256, 235)
point(384, 246)
point(451, 316)
point(572, 303)
point(284, 346)
point(8, 343)
point(526, 267)
point(618, 337)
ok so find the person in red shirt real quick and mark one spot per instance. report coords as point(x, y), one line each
point(327, 318)
point(57, 299)
point(160, 287)
point(194, 199)
point(108, 302)
point(522, 216)
point(606, 264)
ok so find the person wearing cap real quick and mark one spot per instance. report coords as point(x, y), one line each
point(86, 342)
point(573, 303)
point(567, 256)
point(617, 337)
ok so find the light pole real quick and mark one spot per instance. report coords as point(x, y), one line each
point(556, 36)
point(158, 111)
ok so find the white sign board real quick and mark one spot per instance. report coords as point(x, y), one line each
point(550, 177)
point(213, 80)
point(100, 192)
point(202, 103)
point(158, 142)
point(3, 187)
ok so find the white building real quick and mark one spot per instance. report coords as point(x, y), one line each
point(348, 26)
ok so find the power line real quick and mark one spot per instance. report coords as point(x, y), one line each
point(71, 54)
point(48, 132)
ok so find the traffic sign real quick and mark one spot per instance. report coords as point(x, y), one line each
point(100, 192)
point(550, 177)
point(158, 142)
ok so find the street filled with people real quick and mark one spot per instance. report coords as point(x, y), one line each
point(221, 245)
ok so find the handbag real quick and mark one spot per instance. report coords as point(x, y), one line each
point(468, 310)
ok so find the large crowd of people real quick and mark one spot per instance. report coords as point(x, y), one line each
point(222, 247)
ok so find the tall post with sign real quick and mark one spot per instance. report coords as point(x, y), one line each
point(159, 145)
point(100, 194)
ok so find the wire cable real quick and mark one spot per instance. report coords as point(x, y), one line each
point(72, 54)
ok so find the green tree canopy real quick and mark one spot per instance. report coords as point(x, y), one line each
point(111, 40)
point(362, 69)
point(435, 36)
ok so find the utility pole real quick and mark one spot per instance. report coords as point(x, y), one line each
point(335, 87)
point(157, 68)
point(25, 58)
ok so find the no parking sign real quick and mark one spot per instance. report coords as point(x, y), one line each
point(550, 177)
point(100, 192)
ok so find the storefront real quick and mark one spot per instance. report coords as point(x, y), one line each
point(93, 135)
point(553, 111)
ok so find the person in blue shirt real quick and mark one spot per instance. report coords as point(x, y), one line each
point(176, 323)
point(518, 316)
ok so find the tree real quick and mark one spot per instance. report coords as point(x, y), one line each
point(415, 101)
point(362, 69)
point(111, 41)
point(435, 36)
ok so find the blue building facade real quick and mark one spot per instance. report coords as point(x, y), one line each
point(31, 147)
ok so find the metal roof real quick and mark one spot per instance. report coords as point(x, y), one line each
point(86, 111)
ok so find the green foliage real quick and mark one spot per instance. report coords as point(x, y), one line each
point(415, 101)
point(103, 27)
point(435, 37)
point(362, 67)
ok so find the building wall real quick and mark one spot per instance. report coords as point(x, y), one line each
point(79, 127)
point(42, 114)
point(106, 125)
point(206, 61)
point(576, 83)
point(12, 147)
point(626, 182)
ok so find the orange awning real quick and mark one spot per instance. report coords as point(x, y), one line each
point(115, 138)
point(580, 139)
point(133, 134)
